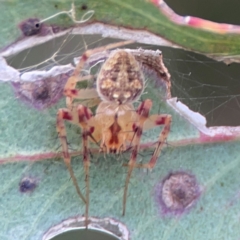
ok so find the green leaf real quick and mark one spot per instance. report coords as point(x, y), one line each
point(143, 15)
point(27, 134)
point(30, 151)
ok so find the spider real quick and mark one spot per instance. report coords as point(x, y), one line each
point(116, 126)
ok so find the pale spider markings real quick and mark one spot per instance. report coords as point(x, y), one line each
point(120, 83)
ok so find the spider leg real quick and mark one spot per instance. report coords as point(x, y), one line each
point(152, 121)
point(143, 112)
point(66, 115)
point(81, 117)
point(91, 102)
point(84, 115)
point(70, 90)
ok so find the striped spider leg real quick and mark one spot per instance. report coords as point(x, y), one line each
point(146, 122)
point(71, 114)
point(116, 123)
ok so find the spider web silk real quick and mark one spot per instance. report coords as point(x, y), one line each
point(28, 133)
point(204, 85)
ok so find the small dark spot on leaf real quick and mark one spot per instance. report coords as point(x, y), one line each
point(56, 6)
point(177, 192)
point(222, 184)
point(33, 26)
point(30, 27)
point(84, 7)
point(27, 184)
point(42, 93)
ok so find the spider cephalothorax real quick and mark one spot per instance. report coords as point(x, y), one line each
point(116, 123)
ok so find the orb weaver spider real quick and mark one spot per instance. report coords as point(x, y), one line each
point(116, 123)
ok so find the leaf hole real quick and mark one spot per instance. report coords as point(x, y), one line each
point(98, 229)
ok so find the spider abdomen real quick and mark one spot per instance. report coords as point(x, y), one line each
point(120, 79)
